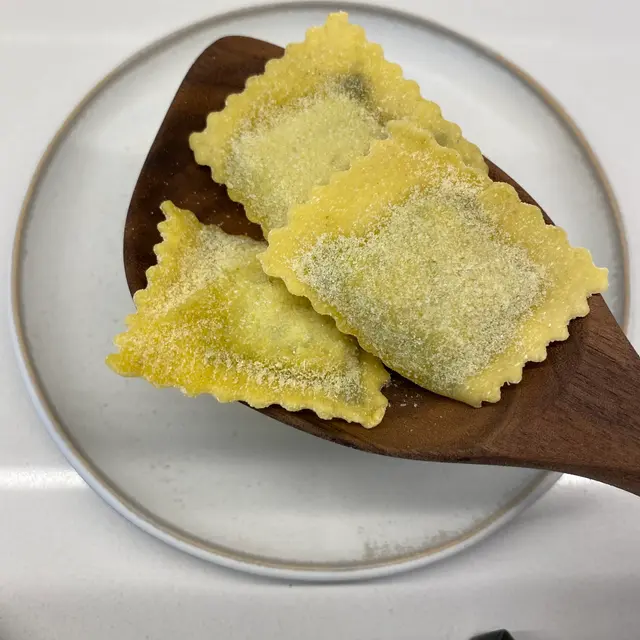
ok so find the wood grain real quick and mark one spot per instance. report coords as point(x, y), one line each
point(578, 411)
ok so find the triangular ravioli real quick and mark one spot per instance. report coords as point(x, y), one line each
point(442, 273)
point(211, 321)
point(309, 114)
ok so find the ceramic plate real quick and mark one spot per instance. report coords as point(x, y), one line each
point(221, 481)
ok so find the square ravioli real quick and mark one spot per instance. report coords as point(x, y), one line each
point(211, 321)
point(310, 114)
point(439, 271)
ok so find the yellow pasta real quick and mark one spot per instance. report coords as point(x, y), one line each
point(445, 275)
point(210, 321)
point(309, 114)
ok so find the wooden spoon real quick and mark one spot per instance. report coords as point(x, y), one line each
point(578, 411)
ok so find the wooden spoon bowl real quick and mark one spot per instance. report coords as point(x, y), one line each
point(578, 411)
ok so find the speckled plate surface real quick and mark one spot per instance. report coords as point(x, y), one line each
point(221, 481)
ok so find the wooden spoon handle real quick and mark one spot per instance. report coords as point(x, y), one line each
point(592, 426)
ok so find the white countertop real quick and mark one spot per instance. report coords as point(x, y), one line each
point(569, 567)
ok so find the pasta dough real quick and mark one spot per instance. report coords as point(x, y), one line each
point(440, 272)
point(310, 114)
point(210, 321)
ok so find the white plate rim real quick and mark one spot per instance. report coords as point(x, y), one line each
point(136, 513)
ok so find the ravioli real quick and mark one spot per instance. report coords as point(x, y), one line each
point(211, 321)
point(439, 271)
point(311, 113)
